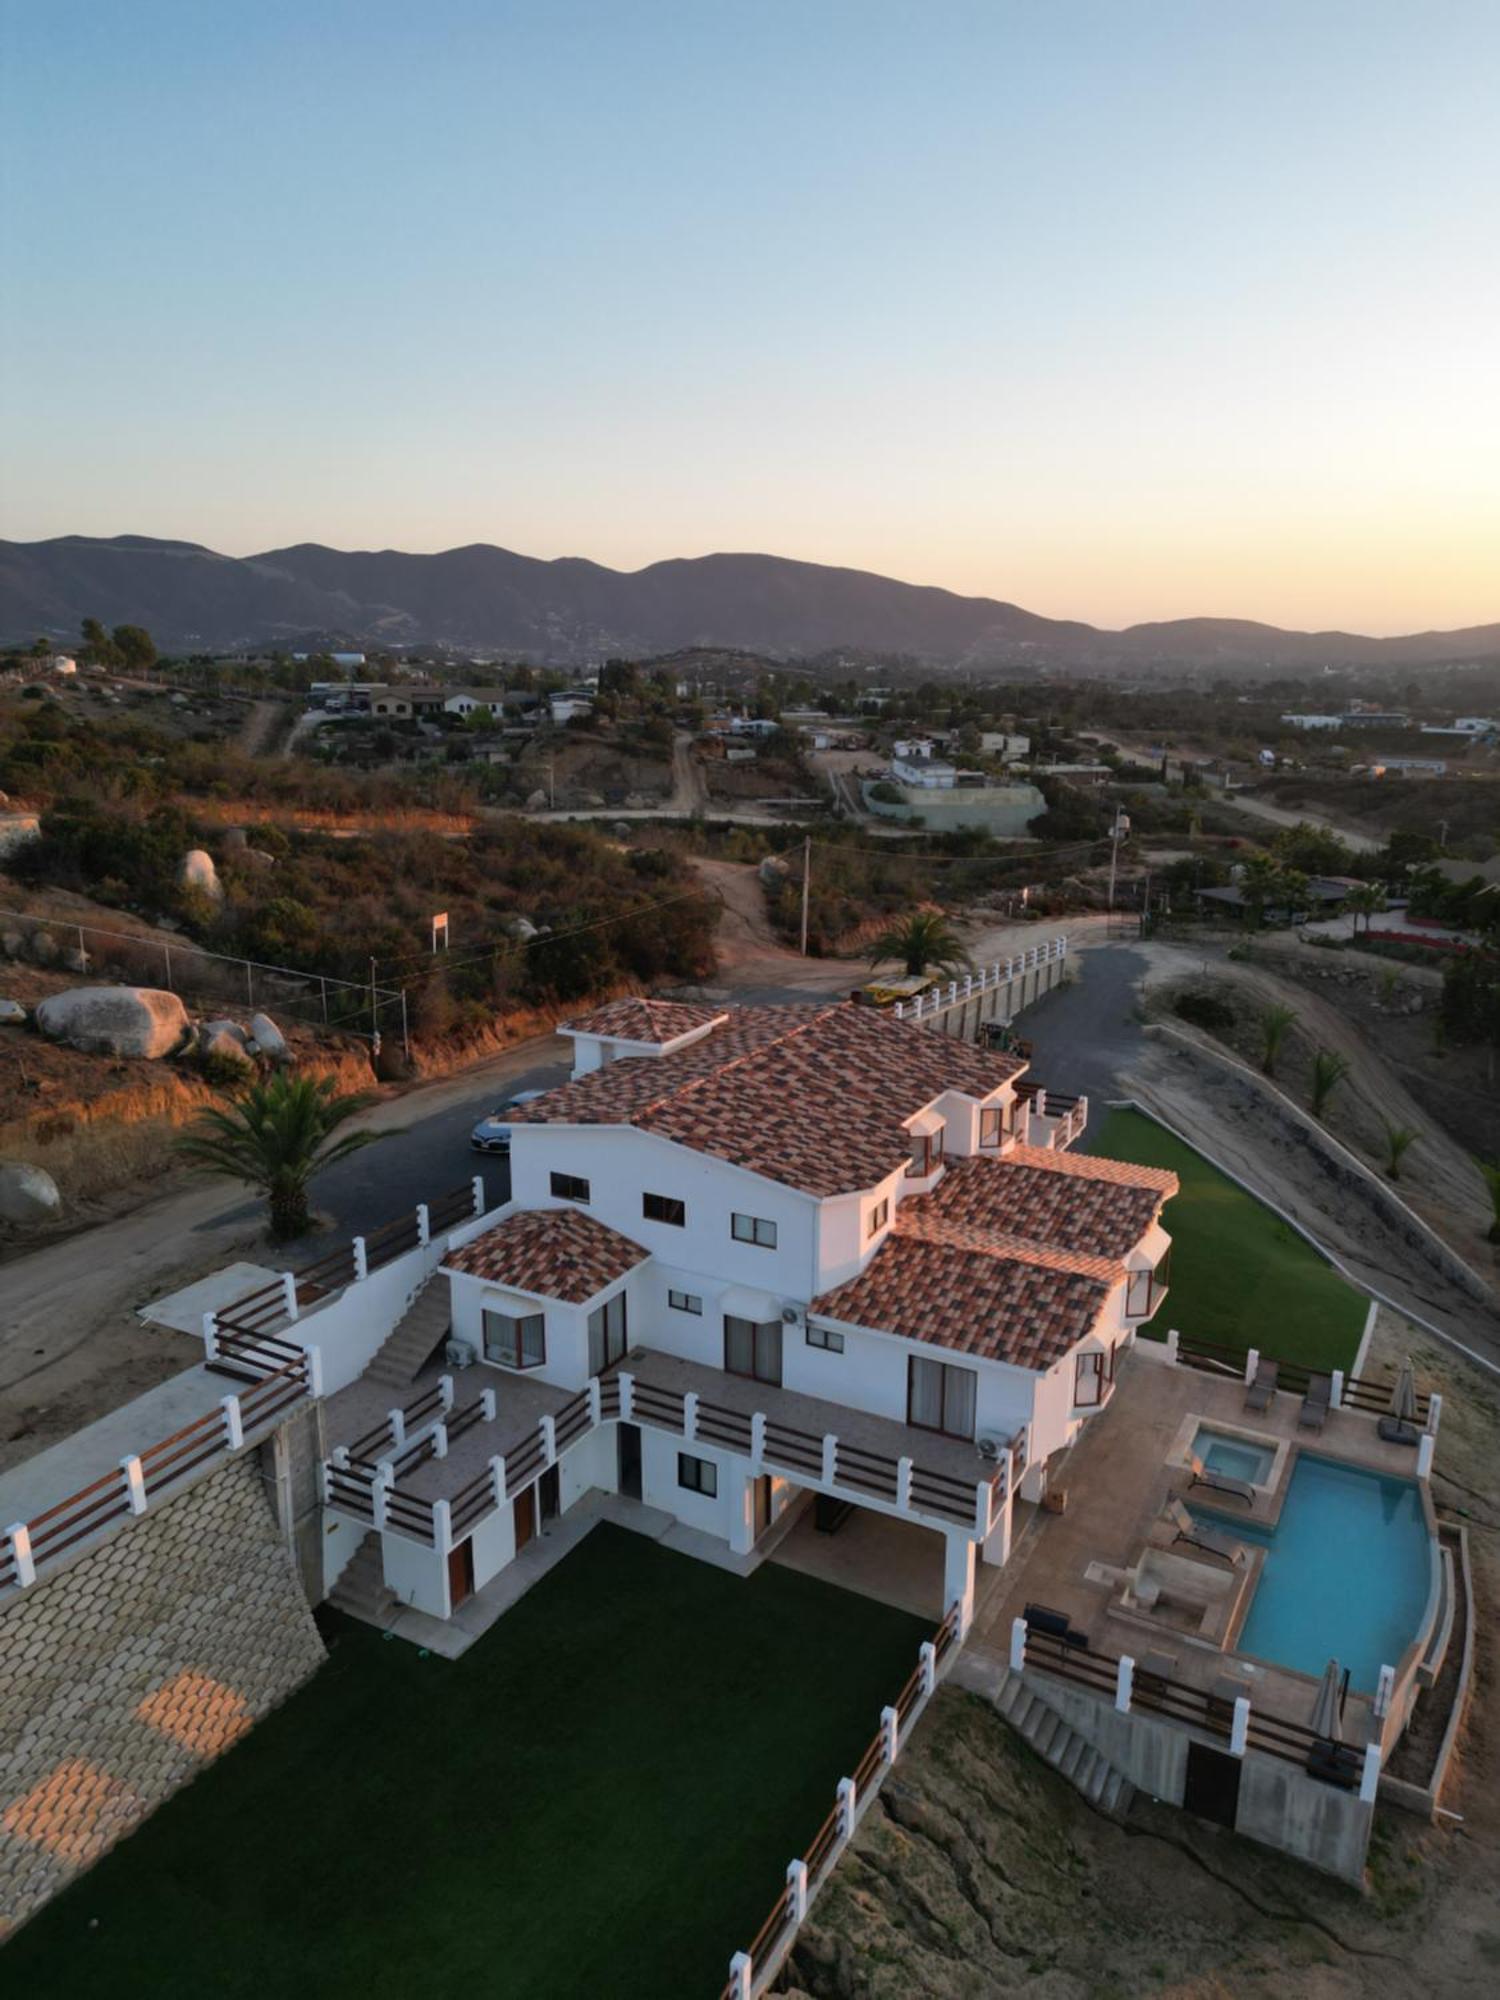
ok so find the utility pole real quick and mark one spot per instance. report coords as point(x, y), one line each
point(1116, 834)
point(806, 877)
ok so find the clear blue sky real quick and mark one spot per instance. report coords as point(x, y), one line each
point(1120, 310)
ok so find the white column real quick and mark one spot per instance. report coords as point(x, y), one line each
point(1434, 1413)
point(1252, 1362)
point(361, 1260)
point(442, 1526)
point(690, 1414)
point(1369, 1777)
point(758, 1439)
point(627, 1395)
point(497, 1479)
point(903, 1484)
point(1124, 1683)
point(314, 1360)
point(1336, 1392)
point(596, 1402)
point(830, 1458)
point(379, 1490)
point(796, 1882)
point(289, 1294)
point(958, 1576)
point(1425, 1449)
point(1239, 1729)
point(549, 1439)
point(19, 1537)
point(981, 1508)
point(927, 1654)
point(135, 1483)
point(477, 1185)
point(210, 1338)
point(424, 1224)
point(890, 1731)
point(234, 1430)
point(1017, 1644)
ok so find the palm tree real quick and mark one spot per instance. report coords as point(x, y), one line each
point(1491, 1171)
point(1259, 877)
point(1274, 1023)
point(924, 942)
point(1367, 901)
point(1328, 1072)
point(1397, 1139)
point(275, 1136)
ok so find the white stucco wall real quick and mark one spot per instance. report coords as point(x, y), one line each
point(417, 1575)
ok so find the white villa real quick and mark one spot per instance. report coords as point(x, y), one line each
point(754, 1256)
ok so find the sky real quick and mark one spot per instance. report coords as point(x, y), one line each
point(1124, 310)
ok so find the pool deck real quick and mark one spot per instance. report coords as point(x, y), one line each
point(1118, 1478)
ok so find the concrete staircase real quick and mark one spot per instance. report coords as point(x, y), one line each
point(421, 1328)
point(1060, 1745)
point(362, 1591)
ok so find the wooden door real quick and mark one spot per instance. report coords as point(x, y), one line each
point(525, 1517)
point(460, 1574)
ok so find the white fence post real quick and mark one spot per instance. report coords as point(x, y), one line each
point(739, 1976)
point(1369, 1777)
point(903, 1484)
point(829, 1469)
point(379, 1490)
point(1425, 1450)
point(981, 1508)
point(927, 1653)
point(1252, 1362)
point(135, 1483)
point(890, 1730)
point(424, 1223)
point(549, 1439)
point(361, 1260)
point(397, 1421)
point(1017, 1644)
point(314, 1357)
point(1124, 1683)
point(234, 1429)
point(796, 1882)
point(1434, 1413)
point(1172, 1339)
point(19, 1537)
point(497, 1478)
point(627, 1395)
point(440, 1440)
point(445, 1391)
point(1336, 1392)
point(210, 1337)
point(477, 1186)
point(758, 1438)
point(690, 1415)
point(289, 1294)
point(442, 1526)
point(596, 1401)
point(1385, 1687)
point(1239, 1729)
point(848, 1807)
point(488, 1406)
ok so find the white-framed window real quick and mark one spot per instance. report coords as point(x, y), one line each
point(753, 1229)
point(685, 1302)
point(515, 1341)
point(991, 1124)
point(880, 1215)
point(698, 1475)
point(570, 1187)
point(825, 1337)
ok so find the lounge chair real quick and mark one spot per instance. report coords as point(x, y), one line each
point(1220, 1482)
point(1263, 1387)
point(1314, 1412)
point(1335, 1763)
point(1208, 1541)
point(1395, 1430)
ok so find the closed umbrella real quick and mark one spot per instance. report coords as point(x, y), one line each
point(1325, 1713)
point(1404, 1395)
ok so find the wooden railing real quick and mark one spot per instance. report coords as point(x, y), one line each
point(1356, 1392)
point(132, 1486)
point(752, 1970)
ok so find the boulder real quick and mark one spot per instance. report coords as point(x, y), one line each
point(43, 947)
point(222, 1041)
point(12, 944)
point(536, 802)
point(26, 1193)
point(13, 1013)
point(522, 929)
point(115, 1020)
point(267, 1037)
point(197, 871)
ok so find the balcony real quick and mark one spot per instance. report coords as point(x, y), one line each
point(1054, 1120)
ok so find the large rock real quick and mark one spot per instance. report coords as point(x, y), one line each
point(115, 1020)
point(225, 1039)
point(198, 872)
point(26, 1193)
point(267, 1037)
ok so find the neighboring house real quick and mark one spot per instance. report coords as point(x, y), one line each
point(1315, 721)
point(930, 773)
point(785, 1251)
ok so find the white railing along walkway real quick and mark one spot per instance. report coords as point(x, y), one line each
point(938, 999)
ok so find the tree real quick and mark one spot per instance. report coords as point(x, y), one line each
point(1398, 1139)
point(923, 942)
point(136, 648)
point(276, 1135)
point(1367, 901)
point(1274, 1022)
point(1328, 1072)
point(1259, 878)
point(98, 649)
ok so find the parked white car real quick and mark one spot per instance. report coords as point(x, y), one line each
point(492, 1134)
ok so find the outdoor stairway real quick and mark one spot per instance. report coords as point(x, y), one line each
point(362, 1590)
point(1060, 1745)
point(422, 1327)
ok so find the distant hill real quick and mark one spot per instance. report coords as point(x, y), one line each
point(492, 600)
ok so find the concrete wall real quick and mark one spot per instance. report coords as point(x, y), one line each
point(128, 1670)
point(349, 1331)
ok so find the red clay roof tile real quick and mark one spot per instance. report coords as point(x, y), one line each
point(558, 1253)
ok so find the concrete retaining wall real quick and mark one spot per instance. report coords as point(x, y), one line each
point(125, 1672)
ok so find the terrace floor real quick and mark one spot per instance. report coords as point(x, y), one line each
point(600, 1797)
point(1117, 1480)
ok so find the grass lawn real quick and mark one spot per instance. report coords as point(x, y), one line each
point(601, 1797)
point(1240, 1276)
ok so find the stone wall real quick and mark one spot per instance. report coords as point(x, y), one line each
point(124, 1674)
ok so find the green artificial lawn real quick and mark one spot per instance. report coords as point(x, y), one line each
point(600, 1797)
point(1240, 1277)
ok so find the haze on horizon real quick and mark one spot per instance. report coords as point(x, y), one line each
point(1118, 312)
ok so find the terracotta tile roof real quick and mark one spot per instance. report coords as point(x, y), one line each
point(969, 1301)
point(813, 1097)
point(642, 1020)
point(558, 1253)
point(1043, 1198)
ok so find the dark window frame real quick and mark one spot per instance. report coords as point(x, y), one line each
point(565, 1187)
point(702, 1479)
point(992, 1127)
point(926, 1155)
point(685, 1302)
point(880, 1215)
point(516, 1323)
point(664, 1202)
point(826, 1337)
point(612, 1328)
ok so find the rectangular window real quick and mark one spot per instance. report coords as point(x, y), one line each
point(940, 1398)
point(991, 1124)
point(1145, 1290)
point(607, 1341)
point(663, 1208)
point(1089, 1378)
point(570, 1187)
point(880, 1215)
point(698, 1475)
point(926, 1154)
point(824, 1336)
point(685, 1302)
point(513, 1342)
point(753, 1229)
point(752, 1350)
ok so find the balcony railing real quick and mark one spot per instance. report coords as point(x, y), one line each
point(1056, 1119)
point(938, 999)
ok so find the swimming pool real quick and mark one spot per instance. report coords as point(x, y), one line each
point(1234, 1457)
point(1347, 1573)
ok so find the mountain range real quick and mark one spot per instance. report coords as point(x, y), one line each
point(489, 600)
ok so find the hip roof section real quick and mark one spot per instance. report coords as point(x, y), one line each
point(556, 1253)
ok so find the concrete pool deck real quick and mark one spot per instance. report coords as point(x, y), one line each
point(1118, 1478)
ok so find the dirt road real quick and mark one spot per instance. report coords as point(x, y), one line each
point(1278, 816)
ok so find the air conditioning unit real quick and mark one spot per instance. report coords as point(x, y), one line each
point(792, 1315)
point(459, 1354)
point(990, 1448)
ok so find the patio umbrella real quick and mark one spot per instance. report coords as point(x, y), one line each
point(1404, 1395)
point(1325, 1712)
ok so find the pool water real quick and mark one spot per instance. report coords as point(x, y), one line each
point(1347, 1573)
point(1232, 1456)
